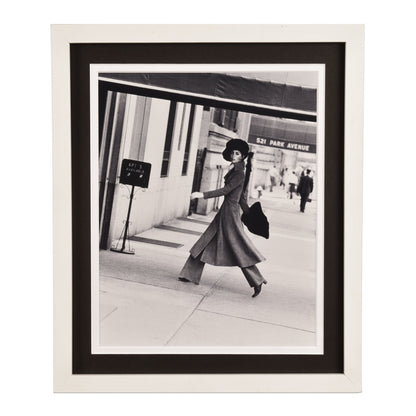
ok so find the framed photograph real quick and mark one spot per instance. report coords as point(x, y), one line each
point(207, 207)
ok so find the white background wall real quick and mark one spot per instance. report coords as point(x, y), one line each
point(389, 280)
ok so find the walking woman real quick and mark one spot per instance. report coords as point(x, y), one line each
point(224, 243)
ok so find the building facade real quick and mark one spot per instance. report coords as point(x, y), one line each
point(182, 136)
point(160, 132)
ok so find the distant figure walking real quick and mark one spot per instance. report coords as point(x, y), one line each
point(305, 187)
point(273, 174)
point(283, 173)
point(259, 190)
point(293, 181)
point(224, 242)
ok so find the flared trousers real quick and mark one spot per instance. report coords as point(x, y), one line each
point(192, 270)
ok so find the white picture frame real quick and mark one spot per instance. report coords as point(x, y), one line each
point(65, 35)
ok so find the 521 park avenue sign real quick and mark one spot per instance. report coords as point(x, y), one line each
point(282, 144)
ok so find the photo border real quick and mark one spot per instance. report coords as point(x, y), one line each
point(65, 35)
point(97, 77)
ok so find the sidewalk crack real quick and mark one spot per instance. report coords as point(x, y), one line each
point(108, 314)
point(184, 322)
point(256, 320)
point(193, 311)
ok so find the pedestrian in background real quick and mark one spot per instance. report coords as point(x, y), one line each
point(259, 190)
point(224, 242)
point(293, 182)
point(273, 174)
point(282, 177)
point(305, 188)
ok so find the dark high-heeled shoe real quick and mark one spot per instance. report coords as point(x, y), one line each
point(184, 279)
point(257, 290)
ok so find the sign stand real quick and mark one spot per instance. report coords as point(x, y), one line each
point(126, 229)
point(134, 173)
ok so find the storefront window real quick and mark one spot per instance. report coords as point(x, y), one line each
point(168, 140)
point(225, 118)
point(188, 142)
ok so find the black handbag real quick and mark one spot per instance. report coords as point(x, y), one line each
point(254, 220)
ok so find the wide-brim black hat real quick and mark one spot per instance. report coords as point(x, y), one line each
point(235, 144)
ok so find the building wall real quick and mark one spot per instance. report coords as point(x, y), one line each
point(165, 198)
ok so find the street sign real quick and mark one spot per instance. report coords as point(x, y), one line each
point(282, 144)
point(135, 173)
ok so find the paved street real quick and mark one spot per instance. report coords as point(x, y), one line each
point(143, 304)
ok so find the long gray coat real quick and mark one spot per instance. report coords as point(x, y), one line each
point(224, 242)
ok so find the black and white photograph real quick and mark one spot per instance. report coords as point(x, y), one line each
point(123, 126)
point(207, 213)
point(208, 197)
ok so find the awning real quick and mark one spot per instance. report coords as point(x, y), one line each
point(229, 87)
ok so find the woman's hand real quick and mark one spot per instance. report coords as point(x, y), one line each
point(196, 195)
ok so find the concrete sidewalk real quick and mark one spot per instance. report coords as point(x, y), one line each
point(143, 304)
